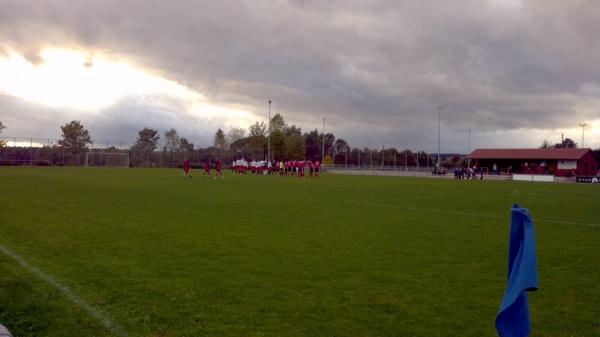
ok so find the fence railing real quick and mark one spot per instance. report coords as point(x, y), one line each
point(375, 167)
point(18, 151)
point(37, 151)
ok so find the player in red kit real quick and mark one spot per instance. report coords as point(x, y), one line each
point(206, 169)
point(218, 169)
point(186, 168)
point(317, 167)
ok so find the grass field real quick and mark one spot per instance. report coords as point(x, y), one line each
point(268, 256)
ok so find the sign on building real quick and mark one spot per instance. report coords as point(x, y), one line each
point(588, 180)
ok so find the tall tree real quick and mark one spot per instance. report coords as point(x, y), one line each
point(145, 144)
point(2, 143)
point(294, 143)
point(292, 129)
point(258, 129)
point(278, 123)
point(567, 143)
point(278, 145)
point(172, 140)
point(312, 143)
point(406, 157)
point(219, 140)
point(341, 146)
point(74, 137)
point(329, 140)
point(235, 134)
point(294, 146)
point(185, 145)
point(252, 147)
point(147, 141)
point(545, 145)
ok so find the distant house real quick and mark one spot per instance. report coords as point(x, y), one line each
point(559, 162)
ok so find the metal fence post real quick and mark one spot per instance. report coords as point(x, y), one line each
point(417, 161)
point(346, 157)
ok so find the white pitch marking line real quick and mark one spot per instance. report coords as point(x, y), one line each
point(465, 213)
point(95, 313)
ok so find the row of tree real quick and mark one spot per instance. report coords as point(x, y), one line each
point(566, 143)
point(287, 142)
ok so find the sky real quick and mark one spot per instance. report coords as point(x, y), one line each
point(513, 72)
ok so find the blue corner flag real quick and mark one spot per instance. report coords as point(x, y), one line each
point(512, 319)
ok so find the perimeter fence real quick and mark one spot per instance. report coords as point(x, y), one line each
point(36, 151)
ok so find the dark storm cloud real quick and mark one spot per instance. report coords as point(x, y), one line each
point(376, 69)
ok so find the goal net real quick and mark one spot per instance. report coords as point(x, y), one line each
point(110, 159)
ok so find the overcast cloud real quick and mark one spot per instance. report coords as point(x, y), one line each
point(514, 72)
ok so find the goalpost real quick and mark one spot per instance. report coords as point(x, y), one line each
point(110, 159)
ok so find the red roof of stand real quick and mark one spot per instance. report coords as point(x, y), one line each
point(542, 154)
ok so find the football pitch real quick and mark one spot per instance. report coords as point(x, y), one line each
point(144, 252)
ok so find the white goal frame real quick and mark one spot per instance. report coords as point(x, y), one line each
point(106, 159)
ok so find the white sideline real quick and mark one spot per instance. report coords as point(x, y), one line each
point(464, 213)
point(95, 313)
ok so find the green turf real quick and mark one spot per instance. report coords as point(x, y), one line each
point(271, 256)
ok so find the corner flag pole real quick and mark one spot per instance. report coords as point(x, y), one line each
point(269, 146)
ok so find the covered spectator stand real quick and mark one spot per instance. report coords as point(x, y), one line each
point(558, 162)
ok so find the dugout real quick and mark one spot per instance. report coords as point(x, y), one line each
point(558, 162)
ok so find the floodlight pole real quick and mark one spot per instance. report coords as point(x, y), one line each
point(583, 125)
point(439, 133)
point(269, 138)
point(469, 142)
point(323, 143)
point(418, 168)
point(469, 149)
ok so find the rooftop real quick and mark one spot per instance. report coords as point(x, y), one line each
point(542, 154)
